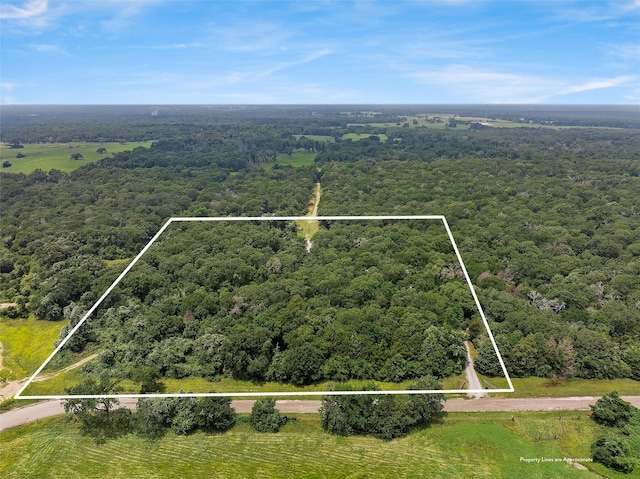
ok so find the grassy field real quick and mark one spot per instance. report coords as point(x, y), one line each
point(360, 136)
point(463, 445)
point(47, 156)
point(57, 385)
point(527, 387)
point(297, 158)
point(26, 344)
point(543, 387)
point(21, 361)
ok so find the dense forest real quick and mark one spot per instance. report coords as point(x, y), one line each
point(547, 221)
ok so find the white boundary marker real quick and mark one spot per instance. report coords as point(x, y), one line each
point(259, 394)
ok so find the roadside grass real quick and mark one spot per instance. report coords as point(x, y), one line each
point(47, 156)
point(455, 382)
point(12, 403)
point(526, 387)
point(56, 385)
point(26, 344)
point(296, 159)
point(462, 445)
point(545, 387)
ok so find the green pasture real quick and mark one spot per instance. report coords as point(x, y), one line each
point(462, 445)
point(296, 159)
point(360, 136)
point(26, 343)
point(47, 156)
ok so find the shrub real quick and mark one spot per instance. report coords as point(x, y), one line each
point(610, 410)
point(265, 417)
point(613, 452)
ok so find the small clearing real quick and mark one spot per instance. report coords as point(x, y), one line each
point(308, 228)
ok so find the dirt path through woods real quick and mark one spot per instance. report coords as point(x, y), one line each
point(473, 380)
point(9, 390)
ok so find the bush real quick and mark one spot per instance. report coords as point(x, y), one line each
point(265, 417)
point(183, 415)
point(613, 452)
point(215, 413)
point(612, 411)
point(383, 416)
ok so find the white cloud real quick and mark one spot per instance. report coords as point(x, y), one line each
point(38, 15)
point(627, 51)
point(471, 84)
point(8, 86)
point(47, 48)
point(600, 83)
point(6, 93)
point(125, 12)
point(477, 85)
point(313, 56)
point(251, 37)
point(30, 8)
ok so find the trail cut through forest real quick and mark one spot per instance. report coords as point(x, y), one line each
point(308, 228)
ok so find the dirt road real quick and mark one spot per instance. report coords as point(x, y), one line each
point(42, 410)
point(10, 389)
point(472, 378)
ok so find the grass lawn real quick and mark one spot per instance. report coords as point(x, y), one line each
point(297, 158)
point(47, 156)
point(463, 445)
point(26, 344)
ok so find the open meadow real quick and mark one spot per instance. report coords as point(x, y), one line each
point(26, 343)
point(463, 445)
point(48, 156)
point(296, 159)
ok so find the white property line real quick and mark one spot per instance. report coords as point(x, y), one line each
point(256, 394)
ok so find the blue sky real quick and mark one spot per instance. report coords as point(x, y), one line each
point(256, 52)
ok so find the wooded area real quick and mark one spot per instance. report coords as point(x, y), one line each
point(547, 221)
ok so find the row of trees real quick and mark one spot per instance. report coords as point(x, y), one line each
point(382, 416)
